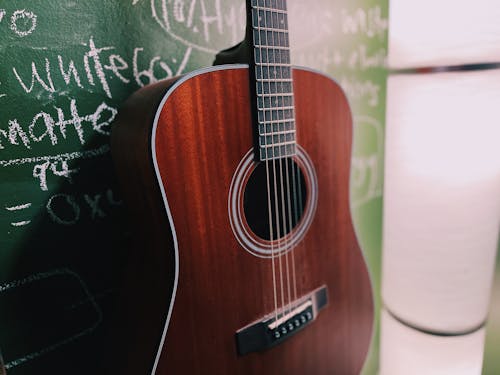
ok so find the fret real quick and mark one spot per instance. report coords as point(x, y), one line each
point(276, 108)
point(280, 129)
point(275, 87)
point(276, 126)
point(274, 153)
point(273, 72)
point(284, 95)
point(273, 109)
point(278, 144)
point(274, 115)
point(275, 101)
point(269, 20)
point(276, 139)
point(273, 64)
point(271, 29)
point(278, 102)
point(276, 39)
point(273, 79)
point(274, 5)
point(272, 55)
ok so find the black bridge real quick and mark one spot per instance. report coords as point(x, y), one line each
point(271, 331)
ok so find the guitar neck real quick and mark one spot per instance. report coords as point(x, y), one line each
point(273, 79)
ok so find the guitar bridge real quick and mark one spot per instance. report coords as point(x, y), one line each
point(275, 328)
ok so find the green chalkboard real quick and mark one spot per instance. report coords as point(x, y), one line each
point(65, 68)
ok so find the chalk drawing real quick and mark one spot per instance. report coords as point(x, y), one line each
point(23, 22)
point(40, 277)
point(85, 301)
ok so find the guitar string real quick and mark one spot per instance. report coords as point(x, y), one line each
point(294, 165)
point(287, 171)
point(276, 199)
point(276, 36)
point(270, 216)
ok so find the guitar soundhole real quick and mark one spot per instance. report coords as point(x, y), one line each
point(287, 193)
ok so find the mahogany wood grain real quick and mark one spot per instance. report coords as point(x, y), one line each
point(204, 130)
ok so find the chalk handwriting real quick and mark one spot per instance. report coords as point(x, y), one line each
point(367, 90)
point(68, 73)
point(368, 22)
point(83, 331)
point(46, 84)
point(95, 68)
point(104, 149)
point(66, 209)
point(93, 202)
point(52, 128)
point(2, 95)
point(359, 59)
point(321, 58)
point(22, 21)
point(16, 208)
point(40, 172)
point(363, 59)
point(198, 17)
point(68, 204)
point(20, 223)
point(366, 178)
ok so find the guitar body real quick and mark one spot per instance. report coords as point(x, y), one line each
point(194, 282)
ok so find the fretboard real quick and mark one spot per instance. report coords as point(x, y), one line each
point(273, 76)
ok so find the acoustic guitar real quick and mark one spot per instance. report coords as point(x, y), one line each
point(237, 177)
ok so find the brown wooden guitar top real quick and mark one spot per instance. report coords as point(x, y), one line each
point(204, 130)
